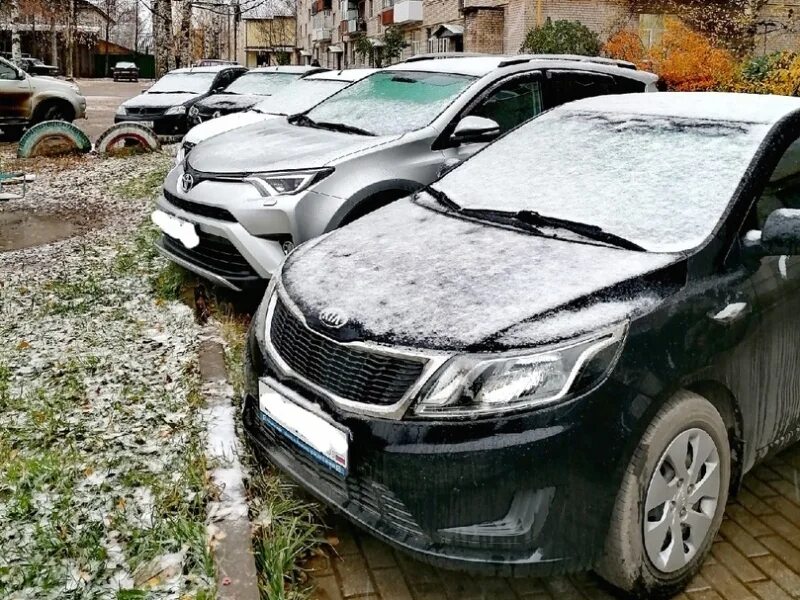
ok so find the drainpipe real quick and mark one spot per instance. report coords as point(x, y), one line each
point(539, 13)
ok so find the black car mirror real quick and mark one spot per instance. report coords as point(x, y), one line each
point(781, 233)
point(475, 129)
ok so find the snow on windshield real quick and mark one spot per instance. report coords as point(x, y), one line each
point(661, 182)
point(299, 96)
point(196, 83)
point(261, 84)
point(413, 275)
point(393, 102)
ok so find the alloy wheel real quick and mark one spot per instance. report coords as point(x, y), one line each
point(681, 500)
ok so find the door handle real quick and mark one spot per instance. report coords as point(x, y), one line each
point(731, 313)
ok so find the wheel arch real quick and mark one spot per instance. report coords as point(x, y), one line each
point(728, 407)
point(371, 198)
point(52, 100)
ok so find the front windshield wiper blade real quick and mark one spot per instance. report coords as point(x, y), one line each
point(593, 232)
point(343, 128)
point(303, 121)
point(172, 92)
point(441, 198)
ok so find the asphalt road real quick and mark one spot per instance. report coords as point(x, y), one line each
point(103, 96)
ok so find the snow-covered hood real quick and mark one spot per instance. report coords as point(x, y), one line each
point(159, 100)
point(229, 102)
point(408, 275)
point(275, 145)
point(208, 129)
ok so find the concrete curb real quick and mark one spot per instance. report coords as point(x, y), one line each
point(229, 526)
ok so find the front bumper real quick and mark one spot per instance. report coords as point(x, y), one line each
point(163, 125)
point(523, 495)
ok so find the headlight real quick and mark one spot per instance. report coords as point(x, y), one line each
point(480, 384)
point(290, 182)
point(176, 110)
point(121, 111)
point(194, 111)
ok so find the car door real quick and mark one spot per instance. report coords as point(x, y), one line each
point(509, 103)
point(15, 95)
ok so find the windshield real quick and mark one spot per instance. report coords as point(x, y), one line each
point(197, 83)
point(262, 84)
point(392, 102)
point(661, 182)
point(300, 96)
point(125, 65)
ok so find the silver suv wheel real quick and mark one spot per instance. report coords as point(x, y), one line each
point(681, 500)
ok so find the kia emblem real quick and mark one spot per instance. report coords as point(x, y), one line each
point(333, 319)
point(187, 181)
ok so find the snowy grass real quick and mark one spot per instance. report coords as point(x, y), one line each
point(103, 485)
point(286, 527)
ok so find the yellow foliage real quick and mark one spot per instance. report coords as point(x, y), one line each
point(625, 45)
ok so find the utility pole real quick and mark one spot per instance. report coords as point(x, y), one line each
point(71, 40)
point(16, 45)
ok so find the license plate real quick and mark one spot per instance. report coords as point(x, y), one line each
point(181, 230)
point(146, 123)
point(308, 431)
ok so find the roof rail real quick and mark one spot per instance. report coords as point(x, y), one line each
point(600, 60)
point(437, 55)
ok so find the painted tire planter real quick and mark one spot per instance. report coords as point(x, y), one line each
point(51, 138)
point(127, 136)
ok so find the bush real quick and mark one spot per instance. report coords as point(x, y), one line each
point(562, 37)
point(625, 45)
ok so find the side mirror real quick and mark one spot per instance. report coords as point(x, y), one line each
point(781, 234)
point(475, 129)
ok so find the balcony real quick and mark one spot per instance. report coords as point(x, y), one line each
point(407, 11)
point(353, 27)
point(346, 6)
point(321, 34)
point(318, 6)
point(387, 17)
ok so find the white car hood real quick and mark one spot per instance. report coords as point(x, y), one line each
point(159, 100)
point(203, 131)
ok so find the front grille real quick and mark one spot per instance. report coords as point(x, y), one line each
point(354, 374)
point(215, 254)
point(212, 212)
point(369, 496)
point(145, 110)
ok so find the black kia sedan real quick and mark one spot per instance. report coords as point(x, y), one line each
point(563, 355)
point(164, 106)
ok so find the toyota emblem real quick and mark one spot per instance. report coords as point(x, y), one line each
point(187, 181)
point(333, 319)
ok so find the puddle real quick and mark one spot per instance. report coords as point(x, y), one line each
point(20, 229)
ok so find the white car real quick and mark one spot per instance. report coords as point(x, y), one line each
point(295, 98)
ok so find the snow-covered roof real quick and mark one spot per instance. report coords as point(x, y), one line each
point(296, 69)
point(709, 106)
point(477, 66)
point(344, 75)
point(210, 69)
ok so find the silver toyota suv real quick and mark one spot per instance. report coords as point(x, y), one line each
point(241, 200)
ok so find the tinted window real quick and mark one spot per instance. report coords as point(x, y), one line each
point(513, 103)
point(565, 86)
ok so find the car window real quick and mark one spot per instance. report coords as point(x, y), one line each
point(663, 183)
point(7, 71)
point(511, 104)
point(299, 96)
point(565, 86)
point(263, 84)
point(782, 190)
point(393, 102)
point(195, 83)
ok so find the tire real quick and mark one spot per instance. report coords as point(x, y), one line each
point(54, 111)
point(52, 138)
point(128, 134)
point(687, 420)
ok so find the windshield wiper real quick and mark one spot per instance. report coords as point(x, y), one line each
point(172, 92)
point(441, 198)
point(593, 232)
point(303, 121)
point(343, 128)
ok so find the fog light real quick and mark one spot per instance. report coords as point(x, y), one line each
point(287, 247)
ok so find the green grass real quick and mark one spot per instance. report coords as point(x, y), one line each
point(144, 186)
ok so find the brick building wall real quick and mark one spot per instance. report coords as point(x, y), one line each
point(778, 27)
point(484, 30)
